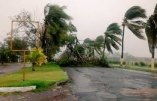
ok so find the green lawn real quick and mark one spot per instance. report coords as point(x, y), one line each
point(42, 77)
point(137, 68)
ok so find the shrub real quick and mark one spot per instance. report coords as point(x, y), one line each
point(124, 62)
point(154, 65)
point(142, 64)
point(36, 58)
point(103, 62)
point(136, 64)
point(114, 62)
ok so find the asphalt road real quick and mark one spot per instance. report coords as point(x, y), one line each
point(109, 84)
point(11, 67)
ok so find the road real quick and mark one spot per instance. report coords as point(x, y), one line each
point(109, 84)
point(11, 67)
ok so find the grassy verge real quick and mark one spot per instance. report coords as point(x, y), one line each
point(137, 68)
point(43, 77)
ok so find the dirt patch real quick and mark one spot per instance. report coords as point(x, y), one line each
point(147, 92)
point(56, 94)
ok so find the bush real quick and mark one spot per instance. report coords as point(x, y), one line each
point(114, 62)
point(124, 62)
point(142, 64)
point(136, 64)
point(154, 65)
point(103, 62)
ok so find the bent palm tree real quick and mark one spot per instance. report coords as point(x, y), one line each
point(132, 22)
point(89, 47)
point(151, 33)
point(55, 28)
point(111, 38)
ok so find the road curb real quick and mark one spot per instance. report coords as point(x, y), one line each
point(16, 89)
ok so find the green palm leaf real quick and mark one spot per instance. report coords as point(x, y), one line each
point(111, 38)
point(114, 28)
point(135, 12)
point(136, 30)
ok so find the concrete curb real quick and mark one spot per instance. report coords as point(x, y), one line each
point(17, 89)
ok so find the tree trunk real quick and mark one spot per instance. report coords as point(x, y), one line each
point(153, 49)
point(33, 66)
point(44, 40)
point(121, 61)
point(152, 64)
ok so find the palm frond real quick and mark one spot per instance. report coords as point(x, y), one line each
point(116, 39)
point(141, 23)
point(100, 39)
point(149, 35)
point(108, 45)
point(135, 12)
point(114, 45)
point(136, 30)
point(114, 28)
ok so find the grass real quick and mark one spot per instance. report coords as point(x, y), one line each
point(130, 67)
point(42, 77)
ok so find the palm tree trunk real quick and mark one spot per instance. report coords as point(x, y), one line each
point(121, 61)
point(33, 66)
point(152, 64)
point(153, 49)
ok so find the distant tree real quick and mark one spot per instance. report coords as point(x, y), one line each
point(4, 54)
point(26, 31)
point(151, 33)
point(133, 23)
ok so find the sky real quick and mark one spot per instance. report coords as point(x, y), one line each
point(91, 17)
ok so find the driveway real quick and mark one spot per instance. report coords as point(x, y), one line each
point(109, 84)
point(11, 67)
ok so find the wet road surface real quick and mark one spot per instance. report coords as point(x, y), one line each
point(109, 84)
point(11, 67)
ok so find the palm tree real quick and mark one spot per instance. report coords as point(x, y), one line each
point(89, 45)
point(111, 37)
point(151, 33)
point(36, 58)
point(132, 22)
point(55, 28)
point(99, 44)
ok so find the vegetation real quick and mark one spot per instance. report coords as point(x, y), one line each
point(58, 31)
point(151, 33)
point(132, 22)
point(111, 39)
point(55, 29)
point(36, 57)
point(42, 78)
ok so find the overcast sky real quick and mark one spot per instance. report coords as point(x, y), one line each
point(91, 17)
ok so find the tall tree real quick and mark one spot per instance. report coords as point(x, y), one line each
point(55, 28)
point(151, 33)
point(133, 23)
